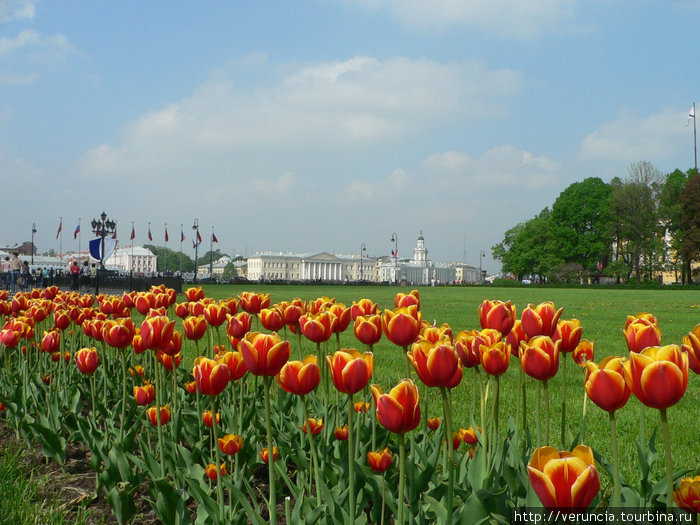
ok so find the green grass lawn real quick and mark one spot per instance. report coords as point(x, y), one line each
point(602, 313)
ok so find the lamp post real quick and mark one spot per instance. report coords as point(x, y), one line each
point(102, 228)
point(211, 257)
point(33, 232)
point(363, 249)
point(195, 227)
point(395, 255)
point(481, 256)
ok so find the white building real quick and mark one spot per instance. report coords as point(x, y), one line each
point(135, 259)
point(417, 271)
point(322, 266)
point(466, 273)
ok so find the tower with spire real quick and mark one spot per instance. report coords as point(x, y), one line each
point(420, 253)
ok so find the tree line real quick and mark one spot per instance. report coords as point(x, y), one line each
point(628, 229)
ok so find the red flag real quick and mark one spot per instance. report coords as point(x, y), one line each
point(199, 237)
point(182, 236)
point(133, 233)
point(213, 237)
point(166, 234)
point(77, 231)
point(60, 227)
point(114, 236)
point(150, 237)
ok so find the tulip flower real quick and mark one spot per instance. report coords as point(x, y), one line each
point(539, 357)
point(191, 387)
point(341, 433)
point(468, 435)
point(516, 334)
point(215, 314)
point(564, 479)
point(364, 307)
point(51, 342)
point(87, 360)
point(342, 315)
point(402, 325)
point(61, 319)
point(468, 354)
point(645, 318)
point(194, 327)
point(640, 335)
point(398, 411)
point(265, 455)
point(230, 444)
point(235, 363)
point(182, 310)
point(292, 311)
point(300, 377)
point(437, 334)
point(583, 352)
point(208, 418)
point(495, 358)
point(361, 406)
point(254, 302)
point(687, 495)
point(271, 319)
point(318, 328)
point(350, 370)
point(317, 305)
point(498, 315)
point(658, 376)
point(156, 332)
point(368, 329)
point(213, 473)
point(379, 461)
point(144, 395)
point(568, 332)
point(137, 371)
point(118, 333)
point(437, 365)
point(316, 425)
point(238, 325)
point(264, 354)
point(433, 423)
point(194, 294)
point(152, 414)
point(605, 383)
point(407, 299)
point(541, 319)
point(691, 346)
point(211, 377)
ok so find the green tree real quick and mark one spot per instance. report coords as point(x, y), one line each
point(670, 216)
point(174, 259)
point(638, 230)
point(690, 222)
point(580, 223)
point(526, 248)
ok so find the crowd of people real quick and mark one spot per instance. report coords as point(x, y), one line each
point(16, 275)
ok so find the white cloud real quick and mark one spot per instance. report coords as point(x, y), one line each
point(314, 112)
point(631, 138)
point(507, 18)
point(11, 10)
point(280, 185)
point(30, 54)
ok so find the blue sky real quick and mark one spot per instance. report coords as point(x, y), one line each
point(325, 124)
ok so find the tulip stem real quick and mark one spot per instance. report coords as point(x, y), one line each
point(219, 474)
point(546, 411)
point(615, 501)
point(669, 461)
point(123, 415)
point(402, 479)
point(270, 452)
point(159, 400)
point(583, 417)
point(496, 403)
point(312, 446)
point(563, 402)
point(538, 413)
point(351, 459)
point(447, 411)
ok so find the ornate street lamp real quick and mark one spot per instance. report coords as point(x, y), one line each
point(481, 257)
point(33, 232)
point(102, 228)
point(195, 227)
point(363, 249)
point(395, 254)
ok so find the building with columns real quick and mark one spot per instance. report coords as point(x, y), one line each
point(417, 271)
point(323, 266)
point(136, 259)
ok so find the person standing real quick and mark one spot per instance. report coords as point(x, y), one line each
point(74, 275)
point(25, 277)
point(15, 265)
point(6, 273)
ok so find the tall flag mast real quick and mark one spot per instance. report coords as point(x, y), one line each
point(695, 135)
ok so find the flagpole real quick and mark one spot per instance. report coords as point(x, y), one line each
point(60, 242)
point(182, 235)
point(695, 139)
point(211, 256)
point(165, 261)
point(131, 263)
point(80, 236)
